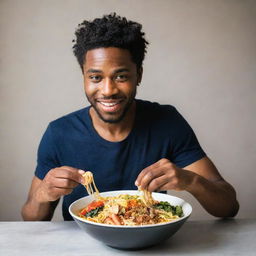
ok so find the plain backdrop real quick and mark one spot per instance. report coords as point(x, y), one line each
point(201, 59)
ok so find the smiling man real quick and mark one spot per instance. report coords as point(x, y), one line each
point(123, 141)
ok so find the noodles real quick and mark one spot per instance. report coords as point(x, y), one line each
point(127, 210)
point(90, 186)
point(146, 197)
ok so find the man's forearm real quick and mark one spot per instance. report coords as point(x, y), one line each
point(218, 198)
point(35, 210)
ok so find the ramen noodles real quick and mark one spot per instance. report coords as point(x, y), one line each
point(127, 210)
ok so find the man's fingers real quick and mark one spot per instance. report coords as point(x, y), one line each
point(64, 183)
point(61, 191)
point(157, 183)
point(81, 171)
point(148, 170)
point(69, 173)
point(150, 175)
point(166, 186)
point(72, 169)
point(157, 175)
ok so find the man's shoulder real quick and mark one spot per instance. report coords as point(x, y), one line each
point(163, 118)
point(156, 110)
point(77, 116)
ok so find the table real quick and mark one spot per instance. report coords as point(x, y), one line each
point(213, 237)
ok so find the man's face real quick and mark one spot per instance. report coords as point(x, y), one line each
point(110, 80)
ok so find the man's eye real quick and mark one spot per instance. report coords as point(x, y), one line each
point(95, 78)
point(121, 78)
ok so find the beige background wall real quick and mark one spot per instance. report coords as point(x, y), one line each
point(201, 58)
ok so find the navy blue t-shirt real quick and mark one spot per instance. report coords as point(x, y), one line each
point(159, 131)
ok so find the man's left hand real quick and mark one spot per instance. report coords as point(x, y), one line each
point(164, 175)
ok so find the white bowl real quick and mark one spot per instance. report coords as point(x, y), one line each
point(130, 237)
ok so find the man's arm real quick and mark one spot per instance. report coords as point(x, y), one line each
point(34, 209)
point(201, 179)
point(44, 194)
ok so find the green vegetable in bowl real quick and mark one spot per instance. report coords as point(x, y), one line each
point(94, 212)
point(176, 210)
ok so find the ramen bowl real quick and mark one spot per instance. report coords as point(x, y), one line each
point(130, 237)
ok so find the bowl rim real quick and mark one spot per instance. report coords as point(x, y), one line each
point(75, 217)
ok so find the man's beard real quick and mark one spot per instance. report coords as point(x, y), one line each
point(121, 116)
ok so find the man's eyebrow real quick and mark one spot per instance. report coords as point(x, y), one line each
point(91, 70)
point(119, 70)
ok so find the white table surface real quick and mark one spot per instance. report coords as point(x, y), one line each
point(220, 237)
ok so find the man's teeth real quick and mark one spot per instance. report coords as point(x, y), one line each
point(108, 104)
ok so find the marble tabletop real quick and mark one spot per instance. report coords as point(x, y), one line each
point(213, 237)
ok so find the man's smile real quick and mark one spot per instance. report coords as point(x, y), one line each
point(110, 105)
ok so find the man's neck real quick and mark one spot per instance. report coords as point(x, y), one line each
point(114, 132)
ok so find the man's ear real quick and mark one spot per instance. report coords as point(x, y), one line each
point(139, 75)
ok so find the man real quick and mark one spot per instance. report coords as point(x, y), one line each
point(123, 141)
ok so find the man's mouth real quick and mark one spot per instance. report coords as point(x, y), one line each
point(110, 105)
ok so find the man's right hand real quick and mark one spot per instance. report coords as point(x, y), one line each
point(59, 182)
point(44, 194)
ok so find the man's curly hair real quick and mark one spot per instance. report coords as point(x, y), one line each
point(110, 31)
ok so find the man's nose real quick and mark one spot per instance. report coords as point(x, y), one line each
point(109, 87)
